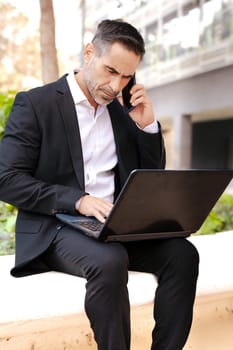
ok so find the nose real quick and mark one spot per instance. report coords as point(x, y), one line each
point(116, 84)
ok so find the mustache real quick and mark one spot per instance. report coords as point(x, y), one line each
point(110, 92)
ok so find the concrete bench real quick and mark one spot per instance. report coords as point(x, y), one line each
point(46, 311)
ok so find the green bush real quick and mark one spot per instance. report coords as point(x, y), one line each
point(7, 228)
point(7, 212)
point(220, 218)
point(6, 101)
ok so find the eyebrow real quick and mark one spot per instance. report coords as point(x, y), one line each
point(128, 76)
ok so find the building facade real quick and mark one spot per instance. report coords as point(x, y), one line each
point(187, 70)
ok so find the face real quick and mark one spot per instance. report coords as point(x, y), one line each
point(103, 77)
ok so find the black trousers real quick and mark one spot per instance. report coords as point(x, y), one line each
point(105, 267)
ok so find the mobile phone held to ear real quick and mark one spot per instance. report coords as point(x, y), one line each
point(126, 96)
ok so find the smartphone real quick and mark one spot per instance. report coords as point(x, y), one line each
point(126, 96)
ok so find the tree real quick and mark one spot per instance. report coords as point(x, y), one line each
point(19, 50)
point(49, 60)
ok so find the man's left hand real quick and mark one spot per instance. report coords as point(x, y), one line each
point(143, 113)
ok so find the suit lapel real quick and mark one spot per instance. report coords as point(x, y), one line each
point(68, 113)
point(124, 145)
point(124, 148)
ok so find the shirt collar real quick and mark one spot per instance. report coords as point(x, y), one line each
point(78, 95)
point(76, 92)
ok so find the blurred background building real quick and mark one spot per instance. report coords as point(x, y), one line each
point(187, 70)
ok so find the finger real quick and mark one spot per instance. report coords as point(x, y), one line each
point(138, 97)
point(101, 214)
point(137, 87)
point(135, 101)
point(105, 209)
point(100, 217)
point(92, 206)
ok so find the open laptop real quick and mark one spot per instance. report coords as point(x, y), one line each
point(157, 204)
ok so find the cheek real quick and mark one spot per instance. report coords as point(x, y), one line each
point(100, 75)
point(97, 75)
point(103, 77)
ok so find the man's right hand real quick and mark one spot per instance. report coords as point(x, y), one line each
point(93, 206)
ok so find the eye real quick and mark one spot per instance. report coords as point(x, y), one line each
point(111, 70)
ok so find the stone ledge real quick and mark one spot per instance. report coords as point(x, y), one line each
point(216, 261)
point(40, 296)
point(31, 323)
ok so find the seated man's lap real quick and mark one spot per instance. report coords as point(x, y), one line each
point(74, 253)
point(152, 255)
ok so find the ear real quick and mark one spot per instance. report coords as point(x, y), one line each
point(89, 52)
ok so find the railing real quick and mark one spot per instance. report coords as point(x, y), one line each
point(199, 29)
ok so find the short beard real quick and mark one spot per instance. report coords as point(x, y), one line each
point(91, 87)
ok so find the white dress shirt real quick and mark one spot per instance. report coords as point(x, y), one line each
point(98, 145)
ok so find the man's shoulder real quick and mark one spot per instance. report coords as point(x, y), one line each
point(58, 85)
point(44, 95)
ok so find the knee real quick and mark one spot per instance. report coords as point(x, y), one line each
point(117, 260)
point(112, 268)
point(185, 258)
point(190, 261)
point(192, 254)
point(189, 252)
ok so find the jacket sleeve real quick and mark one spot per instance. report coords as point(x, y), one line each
point(19, 154)
point(151, 149)
point(136, 148)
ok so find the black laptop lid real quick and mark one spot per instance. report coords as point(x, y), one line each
point(160, 202)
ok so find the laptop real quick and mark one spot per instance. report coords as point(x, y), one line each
point(157, 204)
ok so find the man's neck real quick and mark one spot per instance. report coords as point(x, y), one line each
point(80, 81)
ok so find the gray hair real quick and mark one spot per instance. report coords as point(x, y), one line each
point(116, 31)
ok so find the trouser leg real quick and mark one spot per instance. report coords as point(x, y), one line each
point(105, 267)
point(175, 263)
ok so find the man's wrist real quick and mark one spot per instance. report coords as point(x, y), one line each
point(151, 128)
point(77, 203)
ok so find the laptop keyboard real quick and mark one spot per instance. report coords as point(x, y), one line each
point(90, 225)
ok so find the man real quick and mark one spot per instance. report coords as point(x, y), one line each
point(69, 147)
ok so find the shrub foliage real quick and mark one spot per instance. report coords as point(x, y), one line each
point(6, 101)
point(7, 211)
point(221, 216)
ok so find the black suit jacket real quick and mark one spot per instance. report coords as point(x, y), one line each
point(41, 164)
